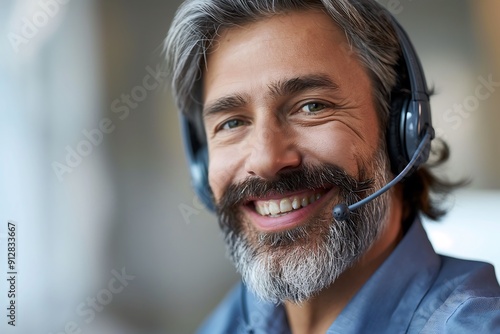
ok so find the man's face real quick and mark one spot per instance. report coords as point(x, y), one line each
point(292, 130)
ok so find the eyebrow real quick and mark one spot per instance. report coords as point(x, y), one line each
point(225, 103)
point(279, 88)
point(299, 84)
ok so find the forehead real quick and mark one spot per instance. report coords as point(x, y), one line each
point(246, 58)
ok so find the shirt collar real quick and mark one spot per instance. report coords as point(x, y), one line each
point(387, 301)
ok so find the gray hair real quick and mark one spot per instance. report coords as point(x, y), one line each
point(197, 23)
point(371, 37)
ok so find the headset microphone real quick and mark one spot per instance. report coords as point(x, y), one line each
point(342, 211)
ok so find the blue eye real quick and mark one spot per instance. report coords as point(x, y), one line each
point(231, 124)
point(312, 107)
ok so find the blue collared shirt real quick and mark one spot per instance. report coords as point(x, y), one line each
point(413, 291)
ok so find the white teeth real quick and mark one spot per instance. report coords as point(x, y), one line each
point(274, 208)
point(287, 204)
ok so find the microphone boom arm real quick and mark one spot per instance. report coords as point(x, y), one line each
point(341, 211)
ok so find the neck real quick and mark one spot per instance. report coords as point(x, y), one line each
point(318, 313)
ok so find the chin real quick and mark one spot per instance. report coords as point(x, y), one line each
point(296, 264)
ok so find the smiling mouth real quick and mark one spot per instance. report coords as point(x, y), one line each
point(282, 206)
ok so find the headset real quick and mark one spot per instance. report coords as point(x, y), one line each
point(409, 132)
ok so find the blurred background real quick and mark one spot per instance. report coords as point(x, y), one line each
point(111, 238)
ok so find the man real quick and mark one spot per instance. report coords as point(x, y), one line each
point(299, 106)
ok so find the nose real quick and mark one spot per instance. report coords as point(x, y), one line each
point(272, 149)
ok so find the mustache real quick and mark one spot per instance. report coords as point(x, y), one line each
point(308, 177)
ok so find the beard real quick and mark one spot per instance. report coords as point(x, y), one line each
point(296, 264)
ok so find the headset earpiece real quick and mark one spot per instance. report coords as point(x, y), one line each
point(395, 133)
point(410, 114)
point(197, 155)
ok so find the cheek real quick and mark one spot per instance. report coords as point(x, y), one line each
point(336, 145)
point(216, 176)
point(221, 170)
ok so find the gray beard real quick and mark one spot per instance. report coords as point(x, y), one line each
point(296, 264)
